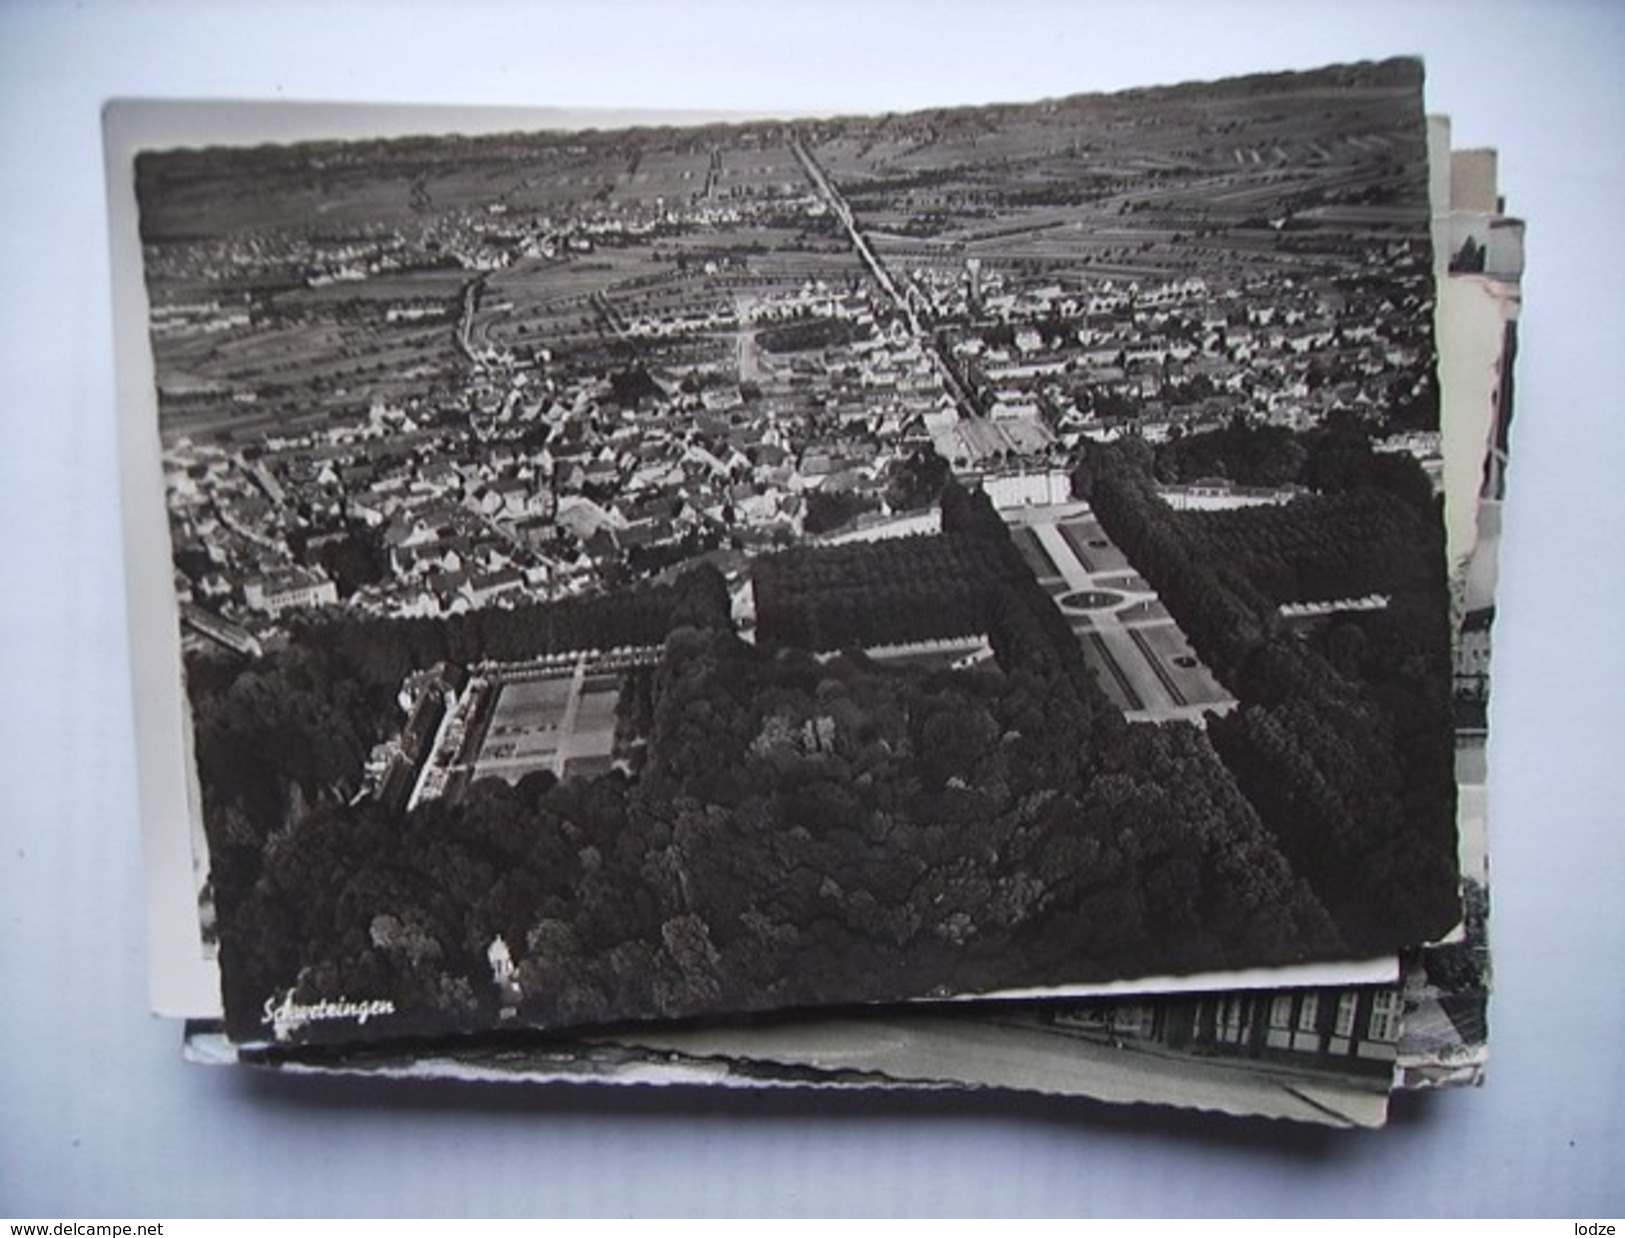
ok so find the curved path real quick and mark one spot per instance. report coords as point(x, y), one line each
point(1127, 645)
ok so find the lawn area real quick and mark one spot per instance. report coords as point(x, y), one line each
point(1166, 646)
point(1094, 550)
point(1032, 550)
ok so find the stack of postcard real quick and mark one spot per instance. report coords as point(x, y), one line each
point(983, 597)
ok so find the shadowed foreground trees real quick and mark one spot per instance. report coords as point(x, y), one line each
point(801, 832)
point(1343, 741)
point(809, 831)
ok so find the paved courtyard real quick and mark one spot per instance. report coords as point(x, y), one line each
point(562, 721)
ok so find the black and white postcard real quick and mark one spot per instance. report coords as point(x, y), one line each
point(1327, 1055)
point(643, 572)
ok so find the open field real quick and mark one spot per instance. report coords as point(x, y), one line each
point(765, 169)
point(1108, 672)
point(431, 284)
point(1164, 646)
point(1091, 187)
point(583, 300)
point(664, 175)
point(310, 355)
point(1032, 550)
point(1092, 548)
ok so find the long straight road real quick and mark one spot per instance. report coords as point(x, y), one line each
point(833, 199)
point(925, 339)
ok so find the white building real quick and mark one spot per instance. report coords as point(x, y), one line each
point(288, 589)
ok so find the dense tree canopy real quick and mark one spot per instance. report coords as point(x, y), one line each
point(804, 830)
point(1343, 739)
point(1249, 455)
point(800, 831)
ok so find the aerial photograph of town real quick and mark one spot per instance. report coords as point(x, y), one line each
point(635, 573)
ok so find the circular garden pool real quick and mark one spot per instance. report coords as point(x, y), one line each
point(1090, 599)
